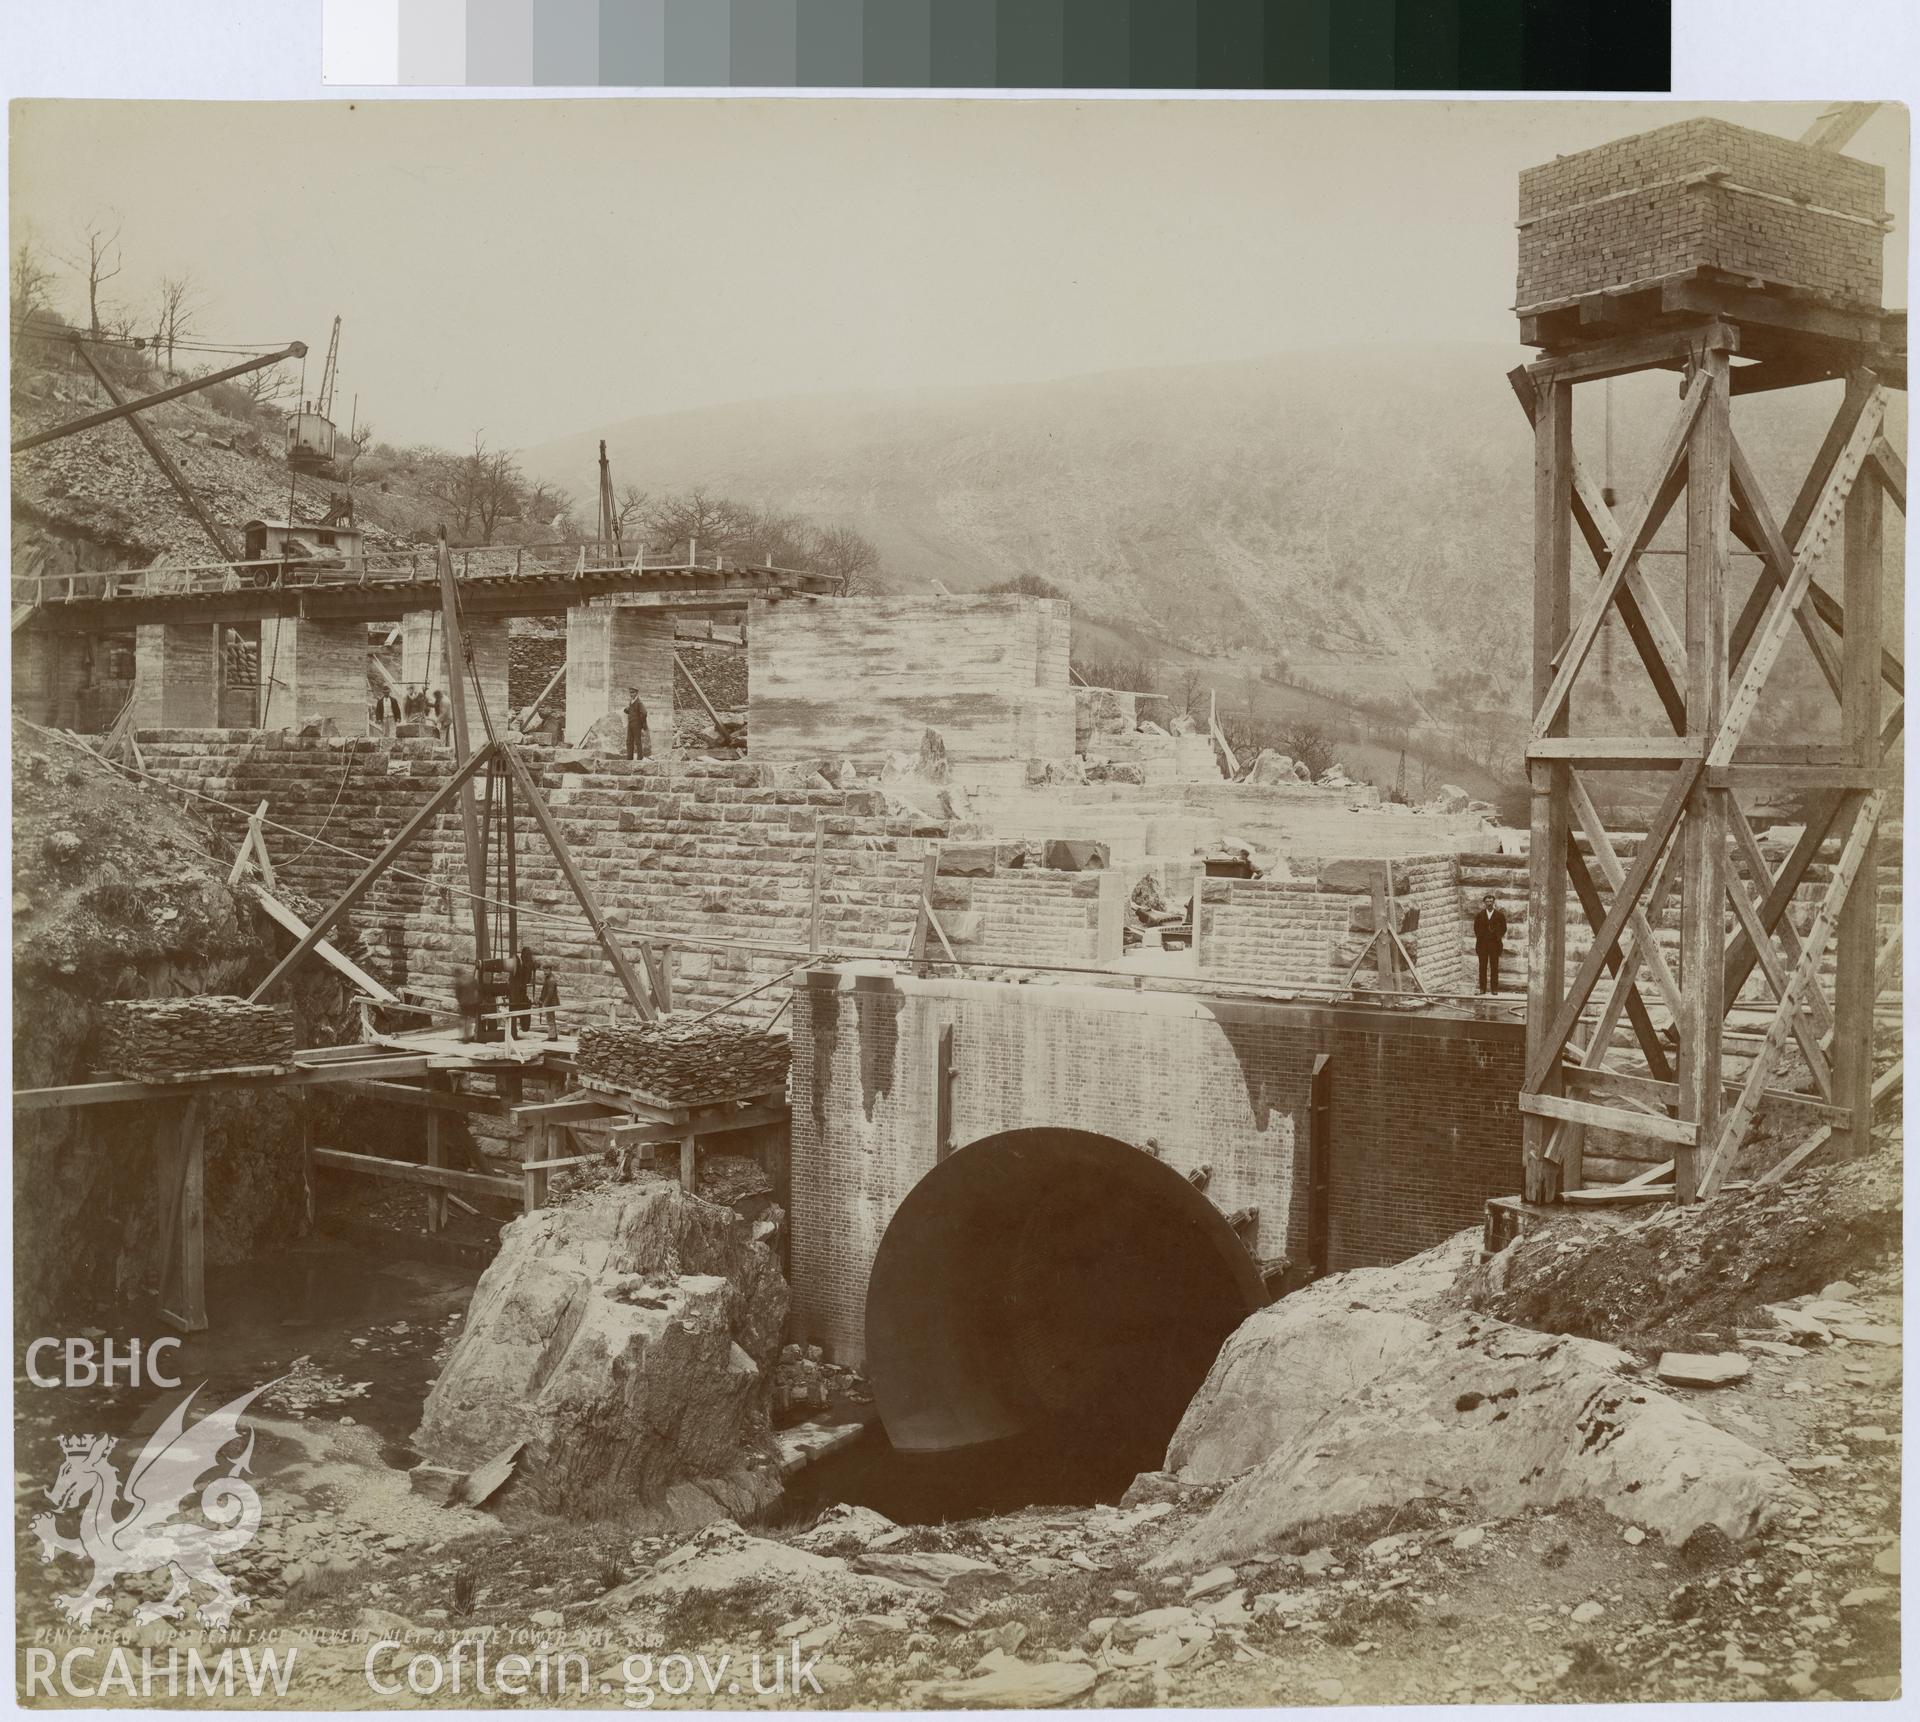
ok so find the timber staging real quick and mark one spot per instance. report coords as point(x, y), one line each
point(495, 582)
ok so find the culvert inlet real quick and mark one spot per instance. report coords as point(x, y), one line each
point(1051, 1287)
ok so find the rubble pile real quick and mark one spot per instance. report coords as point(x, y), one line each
point(154, 1038)
point(690, 1063)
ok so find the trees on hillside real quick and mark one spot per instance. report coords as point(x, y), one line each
point(96, 260)
point(177, 304)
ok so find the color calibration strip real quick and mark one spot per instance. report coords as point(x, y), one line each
point(1575, 45)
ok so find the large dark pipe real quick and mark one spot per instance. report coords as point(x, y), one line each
point(1052, 1284)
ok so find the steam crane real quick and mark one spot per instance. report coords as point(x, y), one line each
point(310, 432)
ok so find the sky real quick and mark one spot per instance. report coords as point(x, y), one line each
point(528, 269)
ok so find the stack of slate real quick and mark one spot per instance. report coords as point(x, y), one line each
point(151, 1039)
point(690, 1063)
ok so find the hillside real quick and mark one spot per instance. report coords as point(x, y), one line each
point(1365, 516)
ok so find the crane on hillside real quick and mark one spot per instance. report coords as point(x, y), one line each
point(311, 436)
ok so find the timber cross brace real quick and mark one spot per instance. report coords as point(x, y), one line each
point(1710, 665)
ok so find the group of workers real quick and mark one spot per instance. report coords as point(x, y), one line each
point(433, 710)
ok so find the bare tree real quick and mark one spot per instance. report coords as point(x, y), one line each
point(631, 507)
point(1310, 744)
point(264, 387)
point(29, 283)
point(177, 306)
point(847, 556)
point(695, 522)
point(99, 262)
point(496, 486)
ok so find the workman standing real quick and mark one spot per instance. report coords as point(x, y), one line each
point(637, 737)
point(548, 998)
point(1489, 937)
point(520, 988)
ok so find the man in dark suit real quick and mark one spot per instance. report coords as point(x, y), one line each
point(637, 738)
point(1489, 935)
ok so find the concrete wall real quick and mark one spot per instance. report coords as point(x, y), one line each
point(1422, 1133)
point(863, 677)
point(177, 674)
point(423, 660)
point(317, 670)
point(611, 649)
point(1310, 931)
point(690, 855)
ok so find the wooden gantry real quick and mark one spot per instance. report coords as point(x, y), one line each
point(1709, 662)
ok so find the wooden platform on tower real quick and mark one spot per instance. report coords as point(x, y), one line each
point(1743, 263)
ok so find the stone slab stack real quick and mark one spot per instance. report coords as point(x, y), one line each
point(149, 1039)
point(689, 1063)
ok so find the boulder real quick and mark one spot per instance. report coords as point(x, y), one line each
point(1274, 767)
point(1451, 799)
point(1002, 1682)
point(605, 735)
point(1697, 1369)
point(1363, 1391)
point(721, 1557)
point(628, 1338)
point(931, 764)
point(844, 1524)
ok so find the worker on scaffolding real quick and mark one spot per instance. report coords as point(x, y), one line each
point(1489, 939)
point(520, 981)
point(637, 738)
point(442, 710)
point(547, 997)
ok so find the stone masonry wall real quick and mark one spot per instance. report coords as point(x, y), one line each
point(687, 856)
point(1421, 1135)
point(864, 677)
point(1309, 931)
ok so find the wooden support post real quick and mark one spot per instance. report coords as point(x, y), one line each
point(690, 1164)
point(1703, 830)
point(436, 1159)
point(1547, 866)
point(1856, 943)
point(1382, 942)
point(186, 1301)
point(533, 1177)
point(457, 700)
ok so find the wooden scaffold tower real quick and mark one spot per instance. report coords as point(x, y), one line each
point(1623, 256)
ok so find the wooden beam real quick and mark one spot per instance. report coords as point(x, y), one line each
point(1653, 1125)
point(1759, 779)
point(1804, 1032)
point(457, 666)
point(1747, 846)
point(1624, 993)
point(1611, 870)
point(1703, 832)
point(1618, 752)
point(1856, 936)
point(567, 1109)
point(1670, 472)
point(1734, 1126)
point(637, 995)
point(1589, 897)
point(1640, 350)
point(325, 949)
point(1548, 822)
point(1634, 1089)
point(1808, 549)
point(1741, 956)
point(408, 1172)
point(1753, 521)
point(427, 1099)
point(462, 775)
point(1890, 470)
point(1544, 1054)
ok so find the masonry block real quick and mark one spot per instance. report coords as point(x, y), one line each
point(176, 675)
point(610, 649)
point(49, 670)
point(312, 670)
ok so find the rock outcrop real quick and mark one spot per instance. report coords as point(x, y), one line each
point(1365, 1391)
point(628, 1337)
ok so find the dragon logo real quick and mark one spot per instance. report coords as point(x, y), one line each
point(155, 1532)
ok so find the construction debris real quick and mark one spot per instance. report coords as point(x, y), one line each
point(157, 1039)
